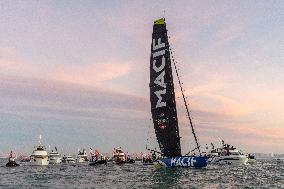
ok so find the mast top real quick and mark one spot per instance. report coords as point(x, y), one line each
point(160, 21)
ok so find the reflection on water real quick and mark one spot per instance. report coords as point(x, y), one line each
point(263, 174)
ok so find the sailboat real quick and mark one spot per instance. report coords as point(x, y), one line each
point(163, 104)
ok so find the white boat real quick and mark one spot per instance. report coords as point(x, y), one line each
point(68, 159)
point(82, 156)
point(227, 155)
point(39, 155)
point(118, 156)
point(54, 157)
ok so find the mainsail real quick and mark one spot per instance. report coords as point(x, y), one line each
point(162, 96)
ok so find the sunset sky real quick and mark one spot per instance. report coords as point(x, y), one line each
point(77, 72)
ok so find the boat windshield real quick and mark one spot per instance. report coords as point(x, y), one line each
point(40, 148)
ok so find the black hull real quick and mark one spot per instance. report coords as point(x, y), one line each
point(99, 162)
point(148, 162)
point(120, 162)
point(131, 161)
point(12, 164)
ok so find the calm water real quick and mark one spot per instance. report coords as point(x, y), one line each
point(263, 174)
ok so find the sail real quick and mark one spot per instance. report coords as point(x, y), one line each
point(162, 96)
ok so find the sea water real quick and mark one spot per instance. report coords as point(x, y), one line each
point(262, 174)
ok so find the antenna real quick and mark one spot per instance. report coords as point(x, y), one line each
point(39, 139)
point(164, 13)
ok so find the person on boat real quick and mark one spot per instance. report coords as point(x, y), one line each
point(102, 157)
point(11, 156)
point(127, 156)
point(113, 152)
point(154, 156)
point(97, 153)
point(117, 156)
point(212, 146)
point(149, 157)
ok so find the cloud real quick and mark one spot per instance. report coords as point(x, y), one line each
point(85, 74)
point(13, 67)
point(91, 73)
point(44, 94)
point(6, 51)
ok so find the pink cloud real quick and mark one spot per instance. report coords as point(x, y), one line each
point(13, 67)
point(90, 74)
point(4, 51)
point(86, 74)
point(246, 136)
point(45, 97)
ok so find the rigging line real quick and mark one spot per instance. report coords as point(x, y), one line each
point(148, 138)
point(191, 151)
point(184, 100)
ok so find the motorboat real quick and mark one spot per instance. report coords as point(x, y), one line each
point(68, 159)
point(226, 155)
point(251, 158)
point(39, 155)
point(82, 156)
point(54, 157)
point(129, 158)
point(24, 158)
point(118, 157)
point(98, 162)
point(11, 161)
point(148, 159)
point(97, 158)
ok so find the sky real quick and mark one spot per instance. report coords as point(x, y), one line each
point(77, 73)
